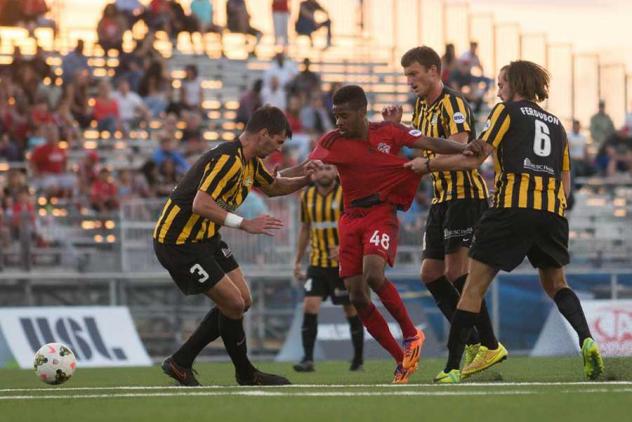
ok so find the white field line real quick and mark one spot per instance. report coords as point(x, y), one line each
point(190, 393)
point(60, 389)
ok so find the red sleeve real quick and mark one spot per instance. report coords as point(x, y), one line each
point(403, 135)
point(325, 150)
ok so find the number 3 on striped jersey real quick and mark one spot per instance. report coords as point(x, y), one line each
point(377, 240)
point(541, 141)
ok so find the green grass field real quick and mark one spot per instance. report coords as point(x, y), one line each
point(520, 389)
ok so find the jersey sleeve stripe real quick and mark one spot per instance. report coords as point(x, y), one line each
point(498, 128)
point(222, 183)
point(186, 230)
point(262, 175)
point(214, 172)
point(167, 224)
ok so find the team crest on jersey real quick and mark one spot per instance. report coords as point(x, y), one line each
point(334, 205)
point(385, 148)
point(434, 120)
point(458, 117)
point(248, 181)
point(415, 132)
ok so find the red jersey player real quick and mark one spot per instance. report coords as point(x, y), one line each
point(375, 184)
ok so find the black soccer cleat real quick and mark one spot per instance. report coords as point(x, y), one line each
point(356, 365)
point(304, 366)
point(184, 376)
point(261, 378)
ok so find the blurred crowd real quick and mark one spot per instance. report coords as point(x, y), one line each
point(46, 112)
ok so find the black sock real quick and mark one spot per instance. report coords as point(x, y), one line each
point(445, 296)
point(357, 338)
point(458, 285)
point(308, 334)
point(232, 331)
point(462, 324)
point(484, 328)
point(569, 306)
point(206, 332)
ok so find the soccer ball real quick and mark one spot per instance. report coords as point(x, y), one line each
point(54, 363)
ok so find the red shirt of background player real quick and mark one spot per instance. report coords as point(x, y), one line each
point(373, 166)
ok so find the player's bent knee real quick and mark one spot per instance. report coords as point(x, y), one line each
point(233, 308)
point(452, 275)
point(374, 280)
point(430, 275)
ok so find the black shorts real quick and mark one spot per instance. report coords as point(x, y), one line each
point(196, 267)
point(505, 236)
point(450, 225)
point(323, 282)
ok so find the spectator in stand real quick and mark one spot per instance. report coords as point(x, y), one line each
point(131, 10)
point(9, 151)
point(615, 154)
point(191, 93)
point(168, 178)
point(306, 82)
point(87, 171)
point(39, 64)
point(280, 19)
point(158, 16)
point(315, 118)
point(49, 166)
point(154, 88)
point(168, 150)
point(103, 192)
point(68, 126)
point(131, 186)
point(578, 151)
point(110, 29)
point(461, 80)
point(40, 114)
point(274, 95)
point(132, 109)
point(601, 126)
point(202, 11)
point(238, 21)
point(471, 60)
point(74, 62)
point(77, 93)
point(192, 140)
point(180, 22)
point(16, 182)
point(293, 112)
point(22, 213)
point(282, 68)
point(106, 112)
point(28, 81)
point(34, 16)
point(249, 102)
point(448, 63)
point(306, 23)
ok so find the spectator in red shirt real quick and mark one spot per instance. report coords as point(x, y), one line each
point(103, 193)
point(48, 163)
point(106, 111)
point(111, 28)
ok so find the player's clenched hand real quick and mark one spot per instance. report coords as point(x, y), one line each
point(264, 224)
point(299, 275)
point(312, 166)
point(474, 147)
point(392, 113)
point(418, 165)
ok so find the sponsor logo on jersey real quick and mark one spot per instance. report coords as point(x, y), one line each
point(538, 168)
point(434, 120)
point(385, 148)
point(226, 252)
point(462, 233)
point(415, 132)
point(248, 181)
point(488, 123)
point(458, 117)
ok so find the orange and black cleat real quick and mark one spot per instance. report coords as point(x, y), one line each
point(412, 350)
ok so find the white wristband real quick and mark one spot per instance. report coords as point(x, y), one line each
point(233, 220)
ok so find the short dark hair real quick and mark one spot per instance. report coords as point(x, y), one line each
point(423, 55)
point(351, 94)
point(271, 118)
point(527, 79)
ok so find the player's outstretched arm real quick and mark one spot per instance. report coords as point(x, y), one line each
point(393, 113)
point(449, 162)
point(305, 168)
point(206, 207)
point(438, 145)
point(286, 185)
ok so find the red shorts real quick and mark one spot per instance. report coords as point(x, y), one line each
point(367, 231)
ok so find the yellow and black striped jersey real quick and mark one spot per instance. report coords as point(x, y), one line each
point(448, 115)
point(222, 173)
point(530, 154)
point(322, 212)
